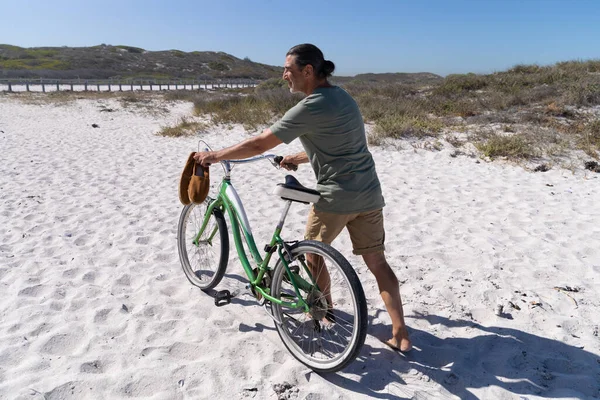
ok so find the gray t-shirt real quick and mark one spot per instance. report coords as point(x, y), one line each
point(332, 132)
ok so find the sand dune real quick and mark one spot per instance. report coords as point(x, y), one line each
point(94, 303)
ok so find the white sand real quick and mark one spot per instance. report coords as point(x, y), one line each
point(94, 303)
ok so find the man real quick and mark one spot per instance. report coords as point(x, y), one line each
point(329, 125)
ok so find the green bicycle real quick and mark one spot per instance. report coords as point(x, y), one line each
point(323, 327)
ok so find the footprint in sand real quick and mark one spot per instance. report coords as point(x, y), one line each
point(270, 369)
point(42, 328)
point(163, 257)
point(89, 277)
point(152, 311)
point(77, 304)
point(145, 386)
point(279, 357)
point(101, 315)
point(59, 294)
point(167, 326)
point(62, 343)
point(69, 390)
point(32, 291)
point(563, 366)
point(168, 291)
point(70, 273)
point(185, 351)
point(81, 241)
point(5, 248)
point(124, 280)
point(142, 240)
point(13, 356)
point(93, 367)
point(149, 350)
point(29, 217)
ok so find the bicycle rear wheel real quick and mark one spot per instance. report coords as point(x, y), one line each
point(203, 261)
point(331, 334)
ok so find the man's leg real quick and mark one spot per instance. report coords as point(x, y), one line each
point(390, 293)
point(318, 270)
point(323, 227)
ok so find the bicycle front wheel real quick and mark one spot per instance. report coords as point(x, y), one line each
point(328, 336)
point(204, 258)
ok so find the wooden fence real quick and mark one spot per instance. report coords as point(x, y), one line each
point(108, 85)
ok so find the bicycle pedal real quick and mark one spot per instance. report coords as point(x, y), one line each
point(222, 298)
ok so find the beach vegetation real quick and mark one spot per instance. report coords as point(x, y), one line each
point(218, 66)
point(528, 110)
point(34, 64)
point(132, 49)
point(184, 127)
point(512, 147)
point(407, 126)
point(589, 139)
point(253, 110)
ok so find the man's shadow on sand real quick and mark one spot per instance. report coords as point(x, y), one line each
point(519, 362)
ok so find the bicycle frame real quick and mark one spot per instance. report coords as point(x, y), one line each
point(229, 201)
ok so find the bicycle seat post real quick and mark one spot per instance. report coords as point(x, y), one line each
point(284, 213)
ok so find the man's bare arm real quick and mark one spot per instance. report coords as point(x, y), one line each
point(248, 148)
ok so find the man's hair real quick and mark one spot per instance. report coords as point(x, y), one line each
point(310, 54)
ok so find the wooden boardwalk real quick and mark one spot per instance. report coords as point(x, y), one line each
point(109, 85)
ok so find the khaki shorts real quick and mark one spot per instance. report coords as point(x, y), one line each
point(366, 229)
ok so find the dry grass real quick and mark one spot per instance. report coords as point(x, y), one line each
point(405, 126)
point(185, 127)
point(512, 147)
point(589, 139)
point(252, 110)
point(526, 112)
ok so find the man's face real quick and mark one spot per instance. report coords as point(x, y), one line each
point(293, 75)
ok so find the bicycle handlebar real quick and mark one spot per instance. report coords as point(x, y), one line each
point(291, 166)
point(275, 161)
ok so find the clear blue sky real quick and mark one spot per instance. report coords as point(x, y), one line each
point(440, 36)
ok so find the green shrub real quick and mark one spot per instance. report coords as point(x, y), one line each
point(217, 66)
point(41, 53)
point(589, 140)
point(185, 127)
point(248, 111)
point(131, 49)
point(455, 85)
point(401, 126)
point(251, 110)
point(525, 69)
point(34, 64)
point(512, 147)
point(583, 94)
point(178, 53)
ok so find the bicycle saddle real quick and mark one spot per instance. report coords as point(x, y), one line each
point(294, 191)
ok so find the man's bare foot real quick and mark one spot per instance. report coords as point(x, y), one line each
point(404, 346)
point(400, 342)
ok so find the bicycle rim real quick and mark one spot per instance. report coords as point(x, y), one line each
point(325, 342)
point(203, 262)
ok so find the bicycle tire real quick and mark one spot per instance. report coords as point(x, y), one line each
point(306, 339)
point(201, 267)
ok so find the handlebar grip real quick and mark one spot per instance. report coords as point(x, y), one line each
point(291, 166)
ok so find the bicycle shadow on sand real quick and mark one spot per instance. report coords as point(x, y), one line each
point(516, 361)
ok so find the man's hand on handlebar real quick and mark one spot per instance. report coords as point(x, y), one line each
point(205, 158)
point(286, 162)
